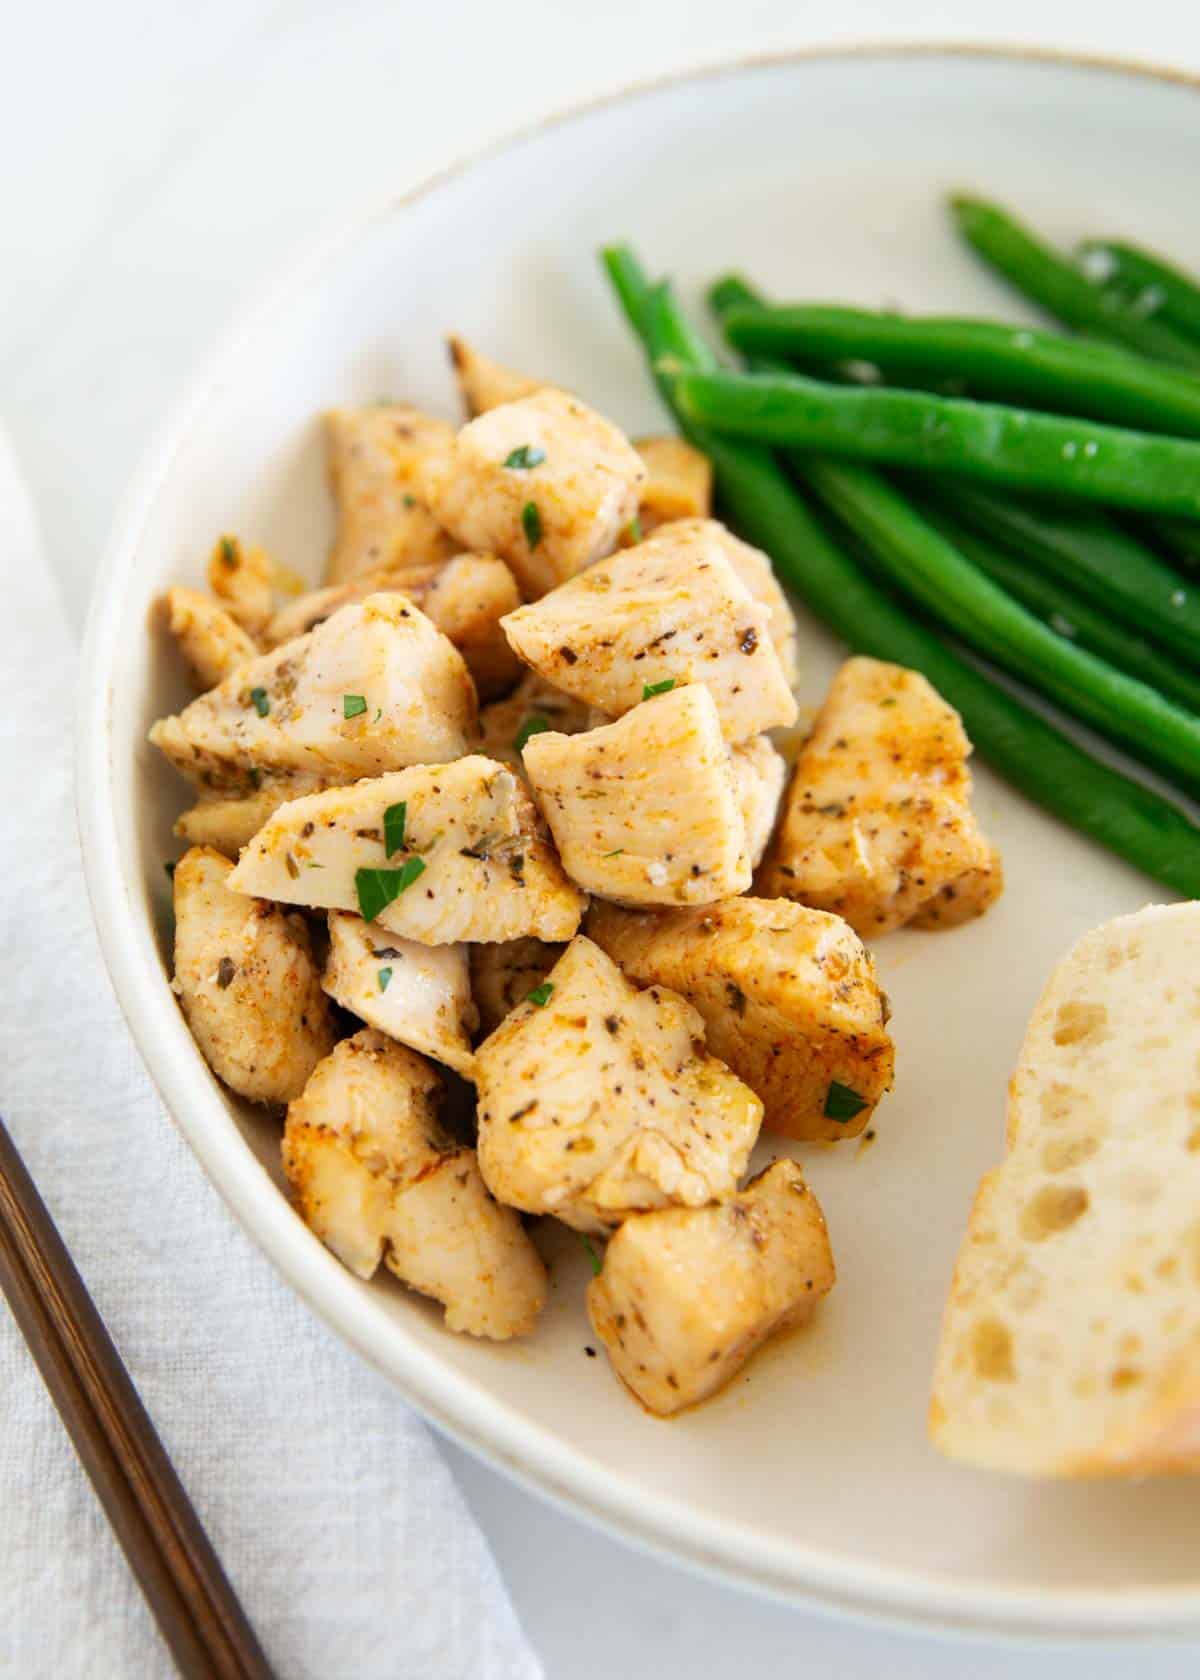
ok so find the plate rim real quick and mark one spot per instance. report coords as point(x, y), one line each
point(496, 1432)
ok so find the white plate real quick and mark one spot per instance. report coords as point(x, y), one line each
point(822, 177)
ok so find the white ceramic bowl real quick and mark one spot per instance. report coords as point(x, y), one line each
point(821, 176)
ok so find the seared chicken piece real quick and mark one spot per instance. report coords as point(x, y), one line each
point(788, 995)
point(484, 383)
point(545, 482)
point(756, 572)
point(759, 771)
point(597, 1101)
point(210, 639)
point(502, 976)
point(417, 994)
point(303, 614)
point(376, 1177)
point(686, 1296)
point(375, 457)
point(678, 482)
point(364, 1128)
point(532, 707)
point(245, 976)
point(465, 598)
point(670, 610)
point(451, 1239)
point(373, 688)
point(471, 864)
point(964, 899)
point(877, 821)
point(243, 580)
point(646, 810)
point(228, 824)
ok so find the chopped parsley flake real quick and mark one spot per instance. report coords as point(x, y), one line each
point(541, 994)
point(377, 888)
point(229, 553)
point(842, 1104)
point(409, 499)
point(525, 455)
point(536, 724)
point(531, 524)
point(260, 700)
point(615, 853)
point(353, 705)
point(385, 974)
point(649, 690)
point(634, 529)
point(394, 821)
point(591, 1253)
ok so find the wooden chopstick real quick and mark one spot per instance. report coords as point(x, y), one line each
point(185, 1586)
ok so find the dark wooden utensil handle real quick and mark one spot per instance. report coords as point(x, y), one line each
point(180, 1574)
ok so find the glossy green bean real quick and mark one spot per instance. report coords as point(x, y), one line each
point(1006, 446)
point(1069, 614)
point(1093, 555)
point(1159, 290)
point(1038, 271)
point(1070, 376)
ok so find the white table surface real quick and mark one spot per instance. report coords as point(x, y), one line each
point(157, 161)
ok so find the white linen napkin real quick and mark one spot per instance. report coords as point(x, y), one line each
point(339, 1524)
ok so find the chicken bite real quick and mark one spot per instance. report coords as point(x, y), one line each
point(759, 770)
point(597, 1101)
point(685, 1296)
point(247, 983)
point(375, 456)
point(789, 999)
point(465, 598)
point(373, 688)
point(533, 707)
point(757, 573)
point(877, 820)
point(646, 810)
point(243, 580)
point(375, 1176)
point(502, 976)
point(678, 481)
point(227, 823)
point(544, 482)
point(963, 899)
point(449, 1237)
point(485, 384)
point(670, 610)
point(419, 995)
point(210, 638)
point(437, 853)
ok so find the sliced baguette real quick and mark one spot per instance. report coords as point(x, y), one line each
point(1071, 1340)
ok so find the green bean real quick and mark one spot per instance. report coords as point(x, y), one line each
point(1180, 538)
point(1092, 554)
point(1012, 364)
point(1159, 290)
point(1004, 446)
point(1069, 615)
point(1131, 820)
point(920, 561)
point(1039, 272)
